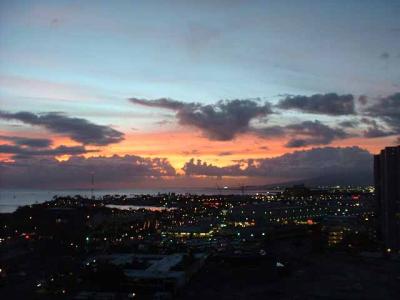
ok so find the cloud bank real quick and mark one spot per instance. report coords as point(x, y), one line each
point(317, 162)
point(115, 171)
point(352, 164)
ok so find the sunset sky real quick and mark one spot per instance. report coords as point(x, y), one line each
point(138, 91)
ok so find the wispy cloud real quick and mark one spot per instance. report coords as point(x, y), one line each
point(80, 130)
point(27, 152)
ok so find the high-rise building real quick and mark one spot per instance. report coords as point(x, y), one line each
point(387, 191)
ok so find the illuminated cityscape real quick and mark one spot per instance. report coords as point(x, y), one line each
point(199, 149)
point(113, 246)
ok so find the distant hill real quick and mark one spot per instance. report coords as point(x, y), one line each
point(353, 179)
point(336, 179)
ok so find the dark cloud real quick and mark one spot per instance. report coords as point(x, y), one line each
point(166, 103)
point(271, 131)
point(349, 124)
point(363, 100)
point(225, 119)
point(225, 153)
point(19, 151)
point(387, 110)
point(77, 129)
point(221, 121)
point(29, 142)
point(375, 130)
point(368, 121)
point(305, 133)
point(297, 165)
point(54, 22)
point(385, 55)
point(191, 152)
point(298, 143)
point(115, 171)
point(198, 167)
point(313, 133)
point(328, 104)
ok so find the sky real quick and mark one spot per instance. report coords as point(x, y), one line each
point(195, 93)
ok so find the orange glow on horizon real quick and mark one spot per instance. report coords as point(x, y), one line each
point(181, 146)
point(170, 145)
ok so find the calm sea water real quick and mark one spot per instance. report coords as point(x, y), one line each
point(10, 200)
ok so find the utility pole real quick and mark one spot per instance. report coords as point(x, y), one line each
point(218, 188)
point(92, 187)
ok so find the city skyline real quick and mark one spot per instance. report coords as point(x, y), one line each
point(157, 94)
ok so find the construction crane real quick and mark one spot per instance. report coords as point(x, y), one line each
point(218, 188)
point(92, 186)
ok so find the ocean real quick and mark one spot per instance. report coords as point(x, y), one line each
point(10, 200)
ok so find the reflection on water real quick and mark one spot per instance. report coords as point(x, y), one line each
point(136, 207)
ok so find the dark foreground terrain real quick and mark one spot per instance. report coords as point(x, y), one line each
point(324, 276)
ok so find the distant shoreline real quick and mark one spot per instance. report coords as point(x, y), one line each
point(11, 199)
